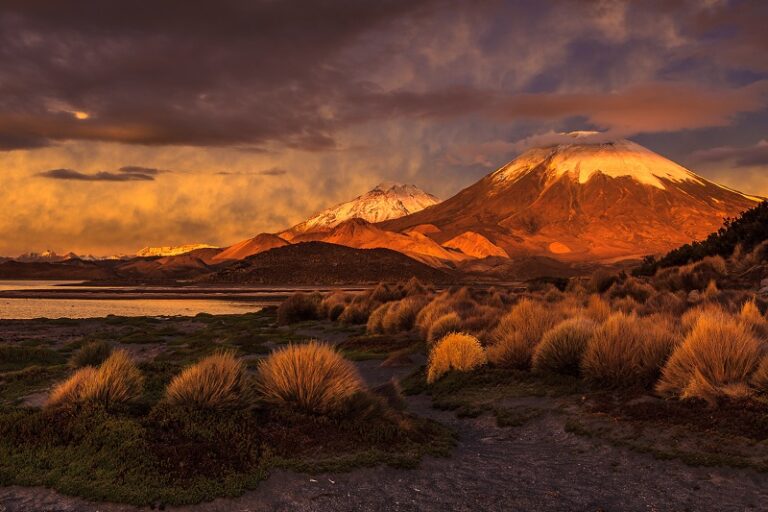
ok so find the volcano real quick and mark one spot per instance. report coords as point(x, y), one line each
point(582, 202)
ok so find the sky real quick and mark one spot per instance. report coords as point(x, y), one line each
point(131, 124)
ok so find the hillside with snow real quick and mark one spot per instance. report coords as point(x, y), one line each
point(386, 201)
point(171, 250)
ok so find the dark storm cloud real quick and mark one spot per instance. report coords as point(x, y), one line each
point(272, 171)
point(148, 171)
point(251, 74)
point(748, 156)
point(70, 174)
point(233, 73)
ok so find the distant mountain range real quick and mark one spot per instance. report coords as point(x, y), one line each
point(552, 210)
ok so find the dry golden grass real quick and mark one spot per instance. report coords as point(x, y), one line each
point(117, 380)
point(632, 287)
point(457, 351)
point(450, 322)
point(563, 346)
point(711, 291)
point(760, 377)
point(401, 316)
point(689, 319)
point(665, 302)
point(601, 280)
point(519, 331)
point(334, 303)
point(597, 309)
point(69, 392)
point(438, 307)
point(312, 377)
point(356, 313)
point(90, 354)
point(626, 305)
point(750, 314)
point(299, 307)
point(214, 382)
point(481, 320)
point(374, 325)
point(716, 360)
point(627, 350)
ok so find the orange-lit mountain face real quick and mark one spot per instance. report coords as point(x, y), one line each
point(580, 202)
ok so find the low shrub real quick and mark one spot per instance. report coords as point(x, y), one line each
point(312, 377)
point(715, 360)
point(117, 380)
point(457, 351)
point(563, 346)
point(90, 354)
point(214, 382)
point(627, 350)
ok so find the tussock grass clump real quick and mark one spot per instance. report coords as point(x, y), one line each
point(482, 320)
point(116, 381)
point(627, 350)
point(299, 307)
point(401, 315)
point(691, 317)
point(597, 309)
point(750, 314)
point(519, 331)
point(438, 307)
point(563, 346)
point(760, 377)
point(601, 280)
point(312, 377)
point(715, 360)
point(457, 351)
point(214, 382)
point(375, 320)
point(333, 304)
point(385, 293)
point(665, 302)
point(414, 287)
point(693, 276)
point(450, 322)
point(70, 391)
point(632, 287)
point(90, 354)
point(356, 313)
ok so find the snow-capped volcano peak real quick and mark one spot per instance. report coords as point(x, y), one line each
point(387, 200)
point(582, 160)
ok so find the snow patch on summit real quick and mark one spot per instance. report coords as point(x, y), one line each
point(615, 159)
point(386, 201)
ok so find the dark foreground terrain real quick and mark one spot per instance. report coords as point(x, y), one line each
point(523, 443)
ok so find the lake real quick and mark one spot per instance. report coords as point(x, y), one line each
point(59, 307)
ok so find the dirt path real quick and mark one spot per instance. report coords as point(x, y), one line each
point(538, 466)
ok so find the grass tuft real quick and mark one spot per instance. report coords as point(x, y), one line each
point(215, 382)
point(456, 351)
point(312, 377)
